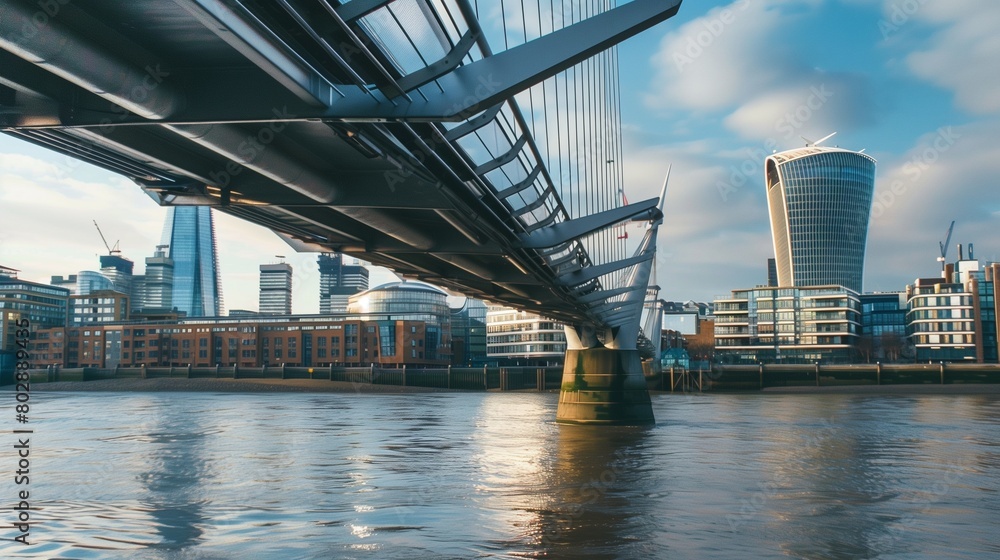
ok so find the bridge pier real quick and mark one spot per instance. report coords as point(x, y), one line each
point(604, 386)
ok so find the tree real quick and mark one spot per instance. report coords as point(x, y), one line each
point(864, 348)
point(892, 346)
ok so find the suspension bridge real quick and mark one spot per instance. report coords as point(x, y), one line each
point(472, 144)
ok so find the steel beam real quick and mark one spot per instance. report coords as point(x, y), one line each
point(580, 227)
point(466, 91)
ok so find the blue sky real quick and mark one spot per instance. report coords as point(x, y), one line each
point(914, 82)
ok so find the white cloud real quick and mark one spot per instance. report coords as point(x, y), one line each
point(949, 174)
point(960, 55)
point(728, 60)
point(709, 244)
point(834, 102)
point(713, 61)
point(49, 206)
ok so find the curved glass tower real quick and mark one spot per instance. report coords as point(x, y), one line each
point(190, 234)
point(819, 200)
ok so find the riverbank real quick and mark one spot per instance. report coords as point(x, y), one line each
point(224, 385)
point(923, 389)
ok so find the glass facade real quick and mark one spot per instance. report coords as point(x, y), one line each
point(883, 327)
point(45, 306)
point(159, 283)
point(468, 333)
point(412, 301)
point(338, 282)
point(190, 234)
point(941, 321)
point(819, 200)
point(275, 289)
point(789, 325)
point(520, 338)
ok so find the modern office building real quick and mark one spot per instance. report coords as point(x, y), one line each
point(468, 333)
point(883, 327)
point(189, 233)
point(43, 305)
point(685, 317)
point(302, 341)
point(520, 338)
point(941, 320)
point(338, 282)
point(987, 281)
point(69, 282)
point(415, 301)
point(102, 306)
point(955, 318)
point(788, 325)
point(88, 281)
point(118, 270)
point(275, 289)
point(158, 292)
point(819, 200)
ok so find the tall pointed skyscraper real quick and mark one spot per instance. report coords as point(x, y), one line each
point(190, 234)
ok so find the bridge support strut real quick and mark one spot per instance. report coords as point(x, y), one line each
point(604, 386)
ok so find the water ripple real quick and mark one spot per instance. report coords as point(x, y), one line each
point(164, 476)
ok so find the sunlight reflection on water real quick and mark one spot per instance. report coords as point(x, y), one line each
point(199, 475)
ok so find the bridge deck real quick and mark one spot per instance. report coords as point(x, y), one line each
point(384, 129)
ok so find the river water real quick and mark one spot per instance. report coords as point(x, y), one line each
point(476, 475)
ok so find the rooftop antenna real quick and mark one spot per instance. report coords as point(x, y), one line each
point(810, 143)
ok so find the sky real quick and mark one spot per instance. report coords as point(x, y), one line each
point(712, 91)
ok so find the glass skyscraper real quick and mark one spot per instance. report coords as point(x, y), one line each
point(819, 201)
point(190, 234)
point(338, 282)
point(275, 289)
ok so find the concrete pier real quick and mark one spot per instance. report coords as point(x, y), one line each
point(604, 386)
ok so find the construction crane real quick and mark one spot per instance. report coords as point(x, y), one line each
point(111, 250)
point(944, 247)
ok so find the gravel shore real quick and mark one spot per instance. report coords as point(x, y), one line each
point(223, 385)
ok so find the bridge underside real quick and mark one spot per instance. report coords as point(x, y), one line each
point(383, 129)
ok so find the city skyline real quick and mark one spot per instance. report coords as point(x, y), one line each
point(713, 93)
